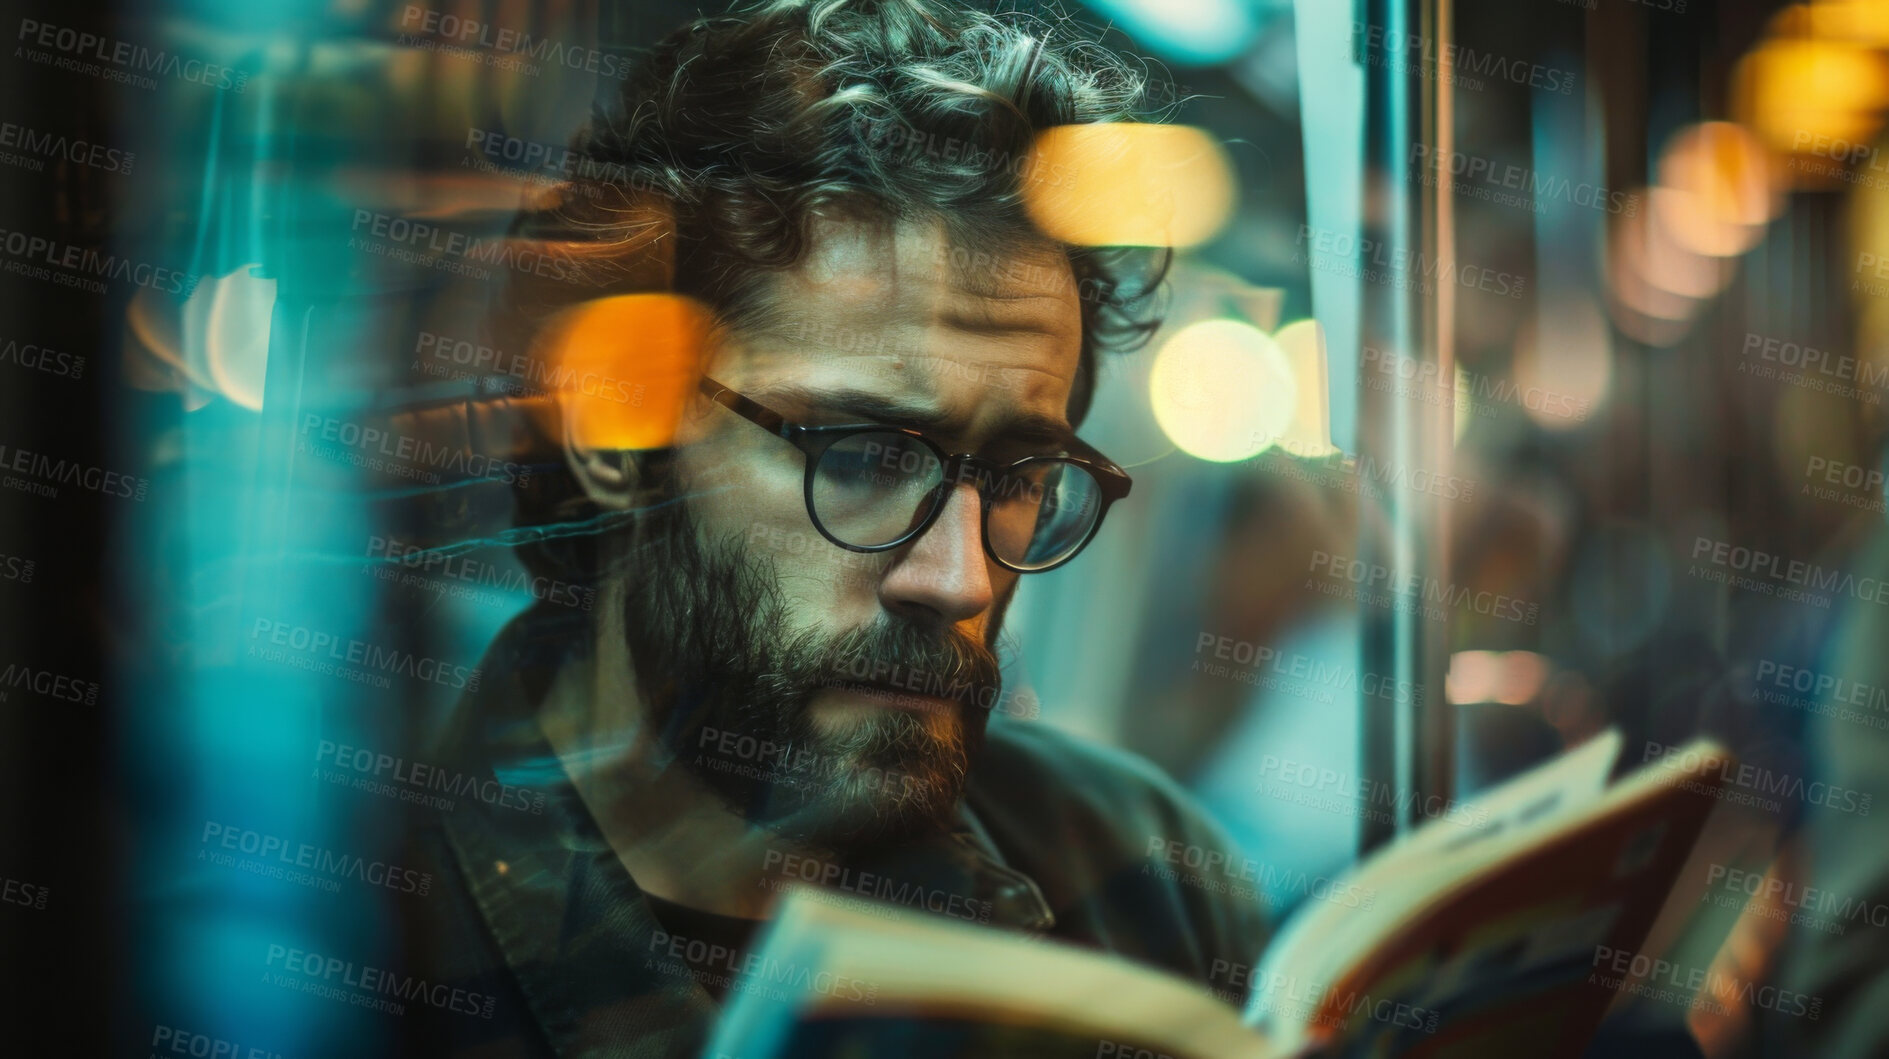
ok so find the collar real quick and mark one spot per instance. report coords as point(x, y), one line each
point(570, 922)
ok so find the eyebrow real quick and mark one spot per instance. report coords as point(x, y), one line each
point(919, 415)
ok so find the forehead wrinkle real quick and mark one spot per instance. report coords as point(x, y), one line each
point(896, 301)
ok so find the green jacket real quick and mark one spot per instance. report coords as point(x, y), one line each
point(534, 918)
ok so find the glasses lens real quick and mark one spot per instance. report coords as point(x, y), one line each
point(870, 488)
point(1042, 512)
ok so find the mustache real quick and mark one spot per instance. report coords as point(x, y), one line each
point(894, 654)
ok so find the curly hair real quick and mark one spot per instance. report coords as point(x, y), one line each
point(701, 177)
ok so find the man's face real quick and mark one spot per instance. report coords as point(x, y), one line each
point(823, 657)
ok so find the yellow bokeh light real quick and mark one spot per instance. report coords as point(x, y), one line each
point(1868, 248)
point(1127, 184)
point(1717, 190)
point(626, 367)
point(1790, 91)
point(1308, 435)
point(1222, 390)
point(236, 340)
point(1863, 22)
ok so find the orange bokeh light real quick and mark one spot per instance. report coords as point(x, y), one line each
point(626, 367)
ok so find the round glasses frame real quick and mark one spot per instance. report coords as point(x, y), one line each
point(1112, 482)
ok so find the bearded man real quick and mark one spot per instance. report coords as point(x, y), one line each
point(790, 671)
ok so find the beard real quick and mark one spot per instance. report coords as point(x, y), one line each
point(729, 686)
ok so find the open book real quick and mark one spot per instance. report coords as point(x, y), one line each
point(1479, 942)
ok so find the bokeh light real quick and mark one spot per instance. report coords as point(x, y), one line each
point(1715, 191)
point(1308, 435)
point(1564, 363)
point(236, 342)
point(626, 367)
point(1223, 390)
point(1191, 31)
point(1129, 184)
point(1792, 91)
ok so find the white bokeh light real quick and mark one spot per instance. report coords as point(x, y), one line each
point(1222, 390)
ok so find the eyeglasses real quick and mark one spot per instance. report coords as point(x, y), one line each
point(871, 488)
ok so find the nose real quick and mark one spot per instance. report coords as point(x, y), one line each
point(944, 575)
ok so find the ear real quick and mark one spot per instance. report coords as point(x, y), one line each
point(628, 366)
point(611, 478)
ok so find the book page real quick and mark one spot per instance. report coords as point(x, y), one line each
point(1496, 924)
point(1410, 872)
point(919, 967)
